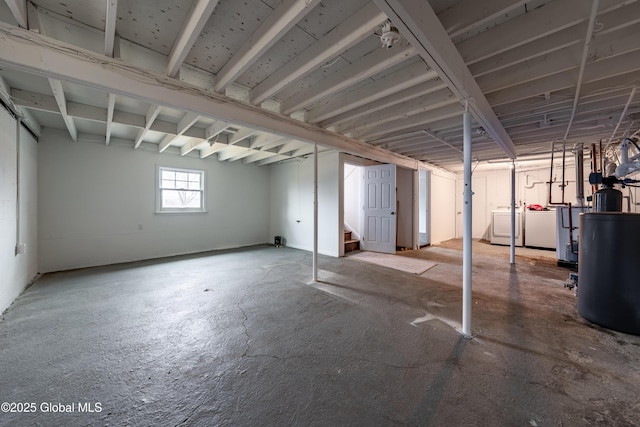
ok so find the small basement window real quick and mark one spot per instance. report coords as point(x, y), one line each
point(180, 190)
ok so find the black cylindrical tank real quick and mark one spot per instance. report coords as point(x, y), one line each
point(607, 200)
point(609, 271)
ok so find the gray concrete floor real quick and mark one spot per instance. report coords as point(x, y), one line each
point(241, 338)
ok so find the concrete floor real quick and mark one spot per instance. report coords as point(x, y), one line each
point(241, 338)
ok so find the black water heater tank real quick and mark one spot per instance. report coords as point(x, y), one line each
point(608, 271)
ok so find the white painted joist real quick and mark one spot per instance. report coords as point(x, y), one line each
point(212, 149)
point(241, 134)
point(36, 101)
point(348, 33)
point(400, 97)
point(538, 23)
point(409, 108)
point(110, 26)
point(259, 155)
point(469, 14)
point(565, 59)
point(605, 69)
point(44, 56)
point(19, 10)
point(571, 36)
point(152, 113)
point(198, 16)
point(111, 105)
point(420, 25)
point(183, 125)
point(216, 128)
point(264, 141)
point(58, 94)
point(403, 79)
point(422, 119)
point(365, 67)
point(278, 23)
point(190, 146)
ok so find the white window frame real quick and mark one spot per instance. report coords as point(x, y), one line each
point(161, 210)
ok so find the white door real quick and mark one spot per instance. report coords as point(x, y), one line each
point(379, 210)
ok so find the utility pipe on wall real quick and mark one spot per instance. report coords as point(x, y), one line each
point(466, 235)
point(512, 240)
point(315, 212)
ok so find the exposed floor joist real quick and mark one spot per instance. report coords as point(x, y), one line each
point(200, 12)
point(351, 31)
point(419, 23)
point(283, 18)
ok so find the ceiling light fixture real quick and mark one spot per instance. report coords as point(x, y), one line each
point(390, 35)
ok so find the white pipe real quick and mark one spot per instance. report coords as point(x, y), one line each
point(466, 236)
point(18, 123)
point(624, 113)
point(315, 212)
point(512, 249)
point(583, 62)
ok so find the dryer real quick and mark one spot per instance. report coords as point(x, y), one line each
point(501, 227)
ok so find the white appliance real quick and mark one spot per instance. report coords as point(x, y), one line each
point(564, 252)
point(540, 229)
point(501, 227)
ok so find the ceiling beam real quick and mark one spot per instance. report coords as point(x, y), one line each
point(599, 70)
point(110, 26)
point(58, 94)
point(200, 12)
point(469, 14)
point(212, 149)
point(215, 129)
point(111, 104)
point(36, 101)
point(152, 113)
point(277, 24)
point(422, 119)
point(183, 125)
point(241, 134)
point(365, 67)
point(351, 31)
point(19, 10)
point(422, 104)
point(262, 140)
point(407, 77)
point(259, 155)
point(44, 56)
point(419, 24)
point(190, 146)
point(538, 23)
point(389, 101)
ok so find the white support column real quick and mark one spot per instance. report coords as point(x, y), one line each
point(315, 212)
point(512, 250)
point(466, 236)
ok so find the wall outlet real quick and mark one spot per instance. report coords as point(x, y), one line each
point(139, 227)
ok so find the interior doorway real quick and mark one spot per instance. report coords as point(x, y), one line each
point(424, 206)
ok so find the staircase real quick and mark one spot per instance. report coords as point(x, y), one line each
point(350, 244)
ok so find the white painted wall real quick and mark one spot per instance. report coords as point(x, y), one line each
point(443, 206)
point(405, 207)
point(94, 198)
point(292, 203)
point(17, 271)
point(492, 190)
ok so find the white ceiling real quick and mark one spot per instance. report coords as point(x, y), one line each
point(532, 72)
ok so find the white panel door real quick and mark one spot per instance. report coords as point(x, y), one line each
point(379, 219)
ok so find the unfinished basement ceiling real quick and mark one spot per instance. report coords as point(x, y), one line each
point(302, 71)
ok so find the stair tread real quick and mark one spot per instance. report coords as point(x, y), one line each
point(351, 241)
